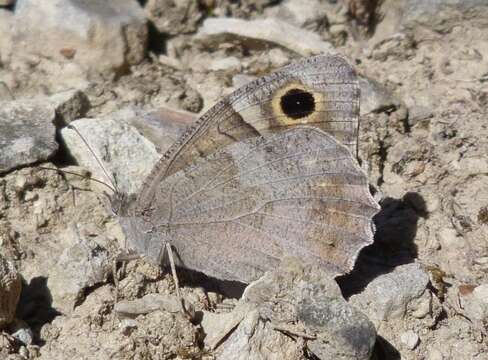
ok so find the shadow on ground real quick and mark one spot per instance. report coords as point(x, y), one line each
point(35, 306)
point(383, 350)
point(396, 228)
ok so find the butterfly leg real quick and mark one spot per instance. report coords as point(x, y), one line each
point(187, 311)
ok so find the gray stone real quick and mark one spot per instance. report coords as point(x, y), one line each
point(410, 339)
point(303, 302)
point(69, 105)
point(388, 296)
point(10, 286)
point(83, 263)
point(262, 31)
point(27, 133)
point(127, 155)
point(100, 35)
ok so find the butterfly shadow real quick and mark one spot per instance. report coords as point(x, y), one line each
point(35, 306)
point(193, 279)
point(396, 228)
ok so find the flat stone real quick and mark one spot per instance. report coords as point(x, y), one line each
point(100, 35)
point(388, 296)
point(147, 304)
point(262, 31)
point(27, 133)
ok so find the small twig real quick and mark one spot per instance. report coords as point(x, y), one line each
point(293, 332)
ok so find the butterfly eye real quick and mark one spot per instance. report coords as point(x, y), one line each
point(297, 103)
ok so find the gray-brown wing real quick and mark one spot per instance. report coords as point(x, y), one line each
point(320, 91)
point(238, 212)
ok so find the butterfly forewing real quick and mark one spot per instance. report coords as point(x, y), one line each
point(320, 91)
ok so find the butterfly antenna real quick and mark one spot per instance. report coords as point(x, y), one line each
point(100, 163)
point(76, 174)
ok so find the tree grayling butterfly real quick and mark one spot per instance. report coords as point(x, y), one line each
point(266, 173)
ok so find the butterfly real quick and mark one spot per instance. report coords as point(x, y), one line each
point(270, 171)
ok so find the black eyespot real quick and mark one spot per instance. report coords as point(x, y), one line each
point(297, 103)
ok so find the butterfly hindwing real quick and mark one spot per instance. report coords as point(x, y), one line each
point(236, 213)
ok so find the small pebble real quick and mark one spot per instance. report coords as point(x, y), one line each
point(410, 339)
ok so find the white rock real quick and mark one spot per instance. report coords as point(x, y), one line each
point(127, 155)
point(274, 31)
point(410, 339)
point(101, 35)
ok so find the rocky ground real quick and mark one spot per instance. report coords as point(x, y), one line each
point(125, 72)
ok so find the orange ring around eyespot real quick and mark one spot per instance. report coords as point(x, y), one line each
point(284, 119)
